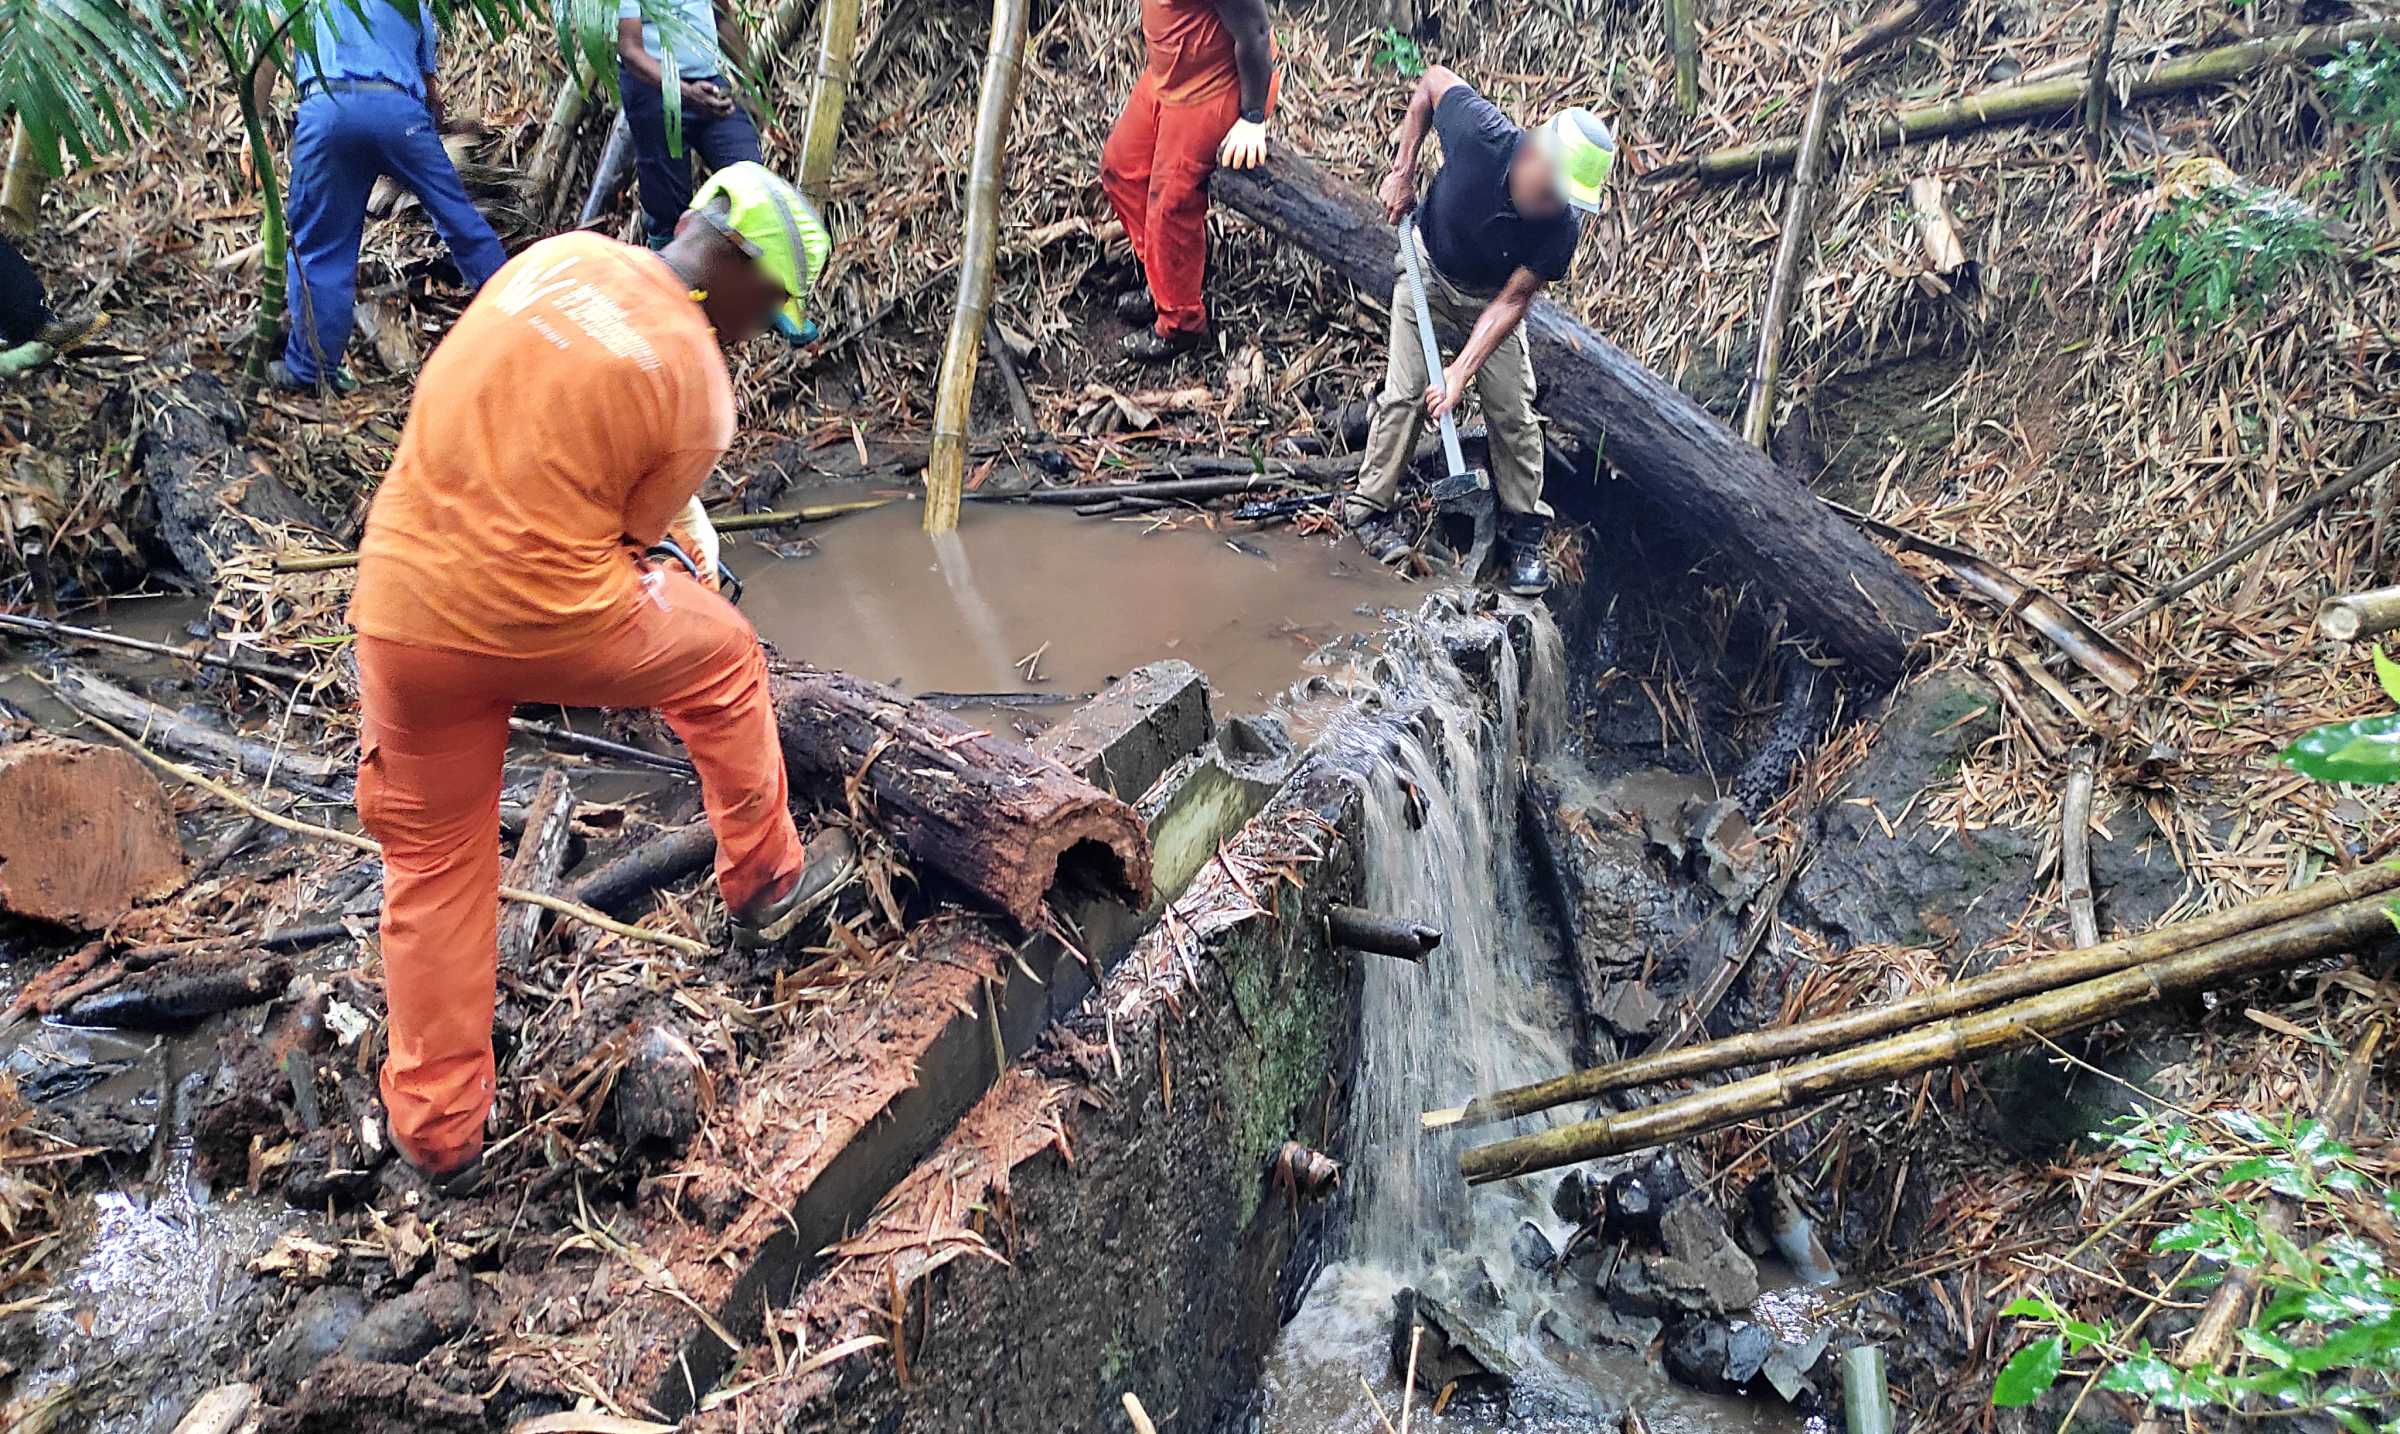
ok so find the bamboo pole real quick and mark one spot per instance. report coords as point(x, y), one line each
point(21, 189)
point(837, 47)
point(730, 523)
point(2356, 615)
point(2095, 84)
point(1961, 1038)
point(946, 462)
point(1759, 413)
point(1682, 24)
point(1891, 25)
point(2228, 1308)
point(549, 155)
point(1851, 1027)
point(2075, 848)
point(2048, 99)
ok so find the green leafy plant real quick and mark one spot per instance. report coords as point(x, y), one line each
point(2366, 750)
point(2325, 1339)
point(1397, 50)
point(2361, 89)
point(84, 76)
point(2206, 260)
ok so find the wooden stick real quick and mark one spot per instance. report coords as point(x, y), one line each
point(2047, 99)
point(1020, 403)
point(2228, 1307)
point(2075, 848)
point(1683, 45)
point(571, 909)
point(946, 461)
point(220, 1411)
point(2360, 473)
point(1851, 1027)
point(837, 45)
point(1408, 1386)
point(1963, 1038)
point(1759, 413)
point(2356, 615)
point(1140, 1416)
point(2095, 82)
point(63, 632)
point(1937, 232)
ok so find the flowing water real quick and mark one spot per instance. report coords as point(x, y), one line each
point(1442, 766)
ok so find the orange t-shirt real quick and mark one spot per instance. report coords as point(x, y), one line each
point(578, 405)
point(1190, 50)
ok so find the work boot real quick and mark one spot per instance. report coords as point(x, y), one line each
point(1135, 306)
point(832, 864)
point(338, 382)
point(1151, 346)
point(1523, 570)
point(1377, 531)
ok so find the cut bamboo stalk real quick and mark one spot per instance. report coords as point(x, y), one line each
point(2355, 615)
point(558, 137)
point(2047, 99)
point(21, 189)
point(2361, 473)
point(2075, 848)
point(1682, 24)
point(609, 175)
point(1893, 24)
point(2095, 82)
point(1852, 1027)
point(728, 523)
point(837, 47)
point(2228, 1306)
point(1866, 1391)
point(946, 462)
point(1947, 1042)
point(1758, 416)
point(1937, 232)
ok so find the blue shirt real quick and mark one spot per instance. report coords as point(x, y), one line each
point(695, 45)
point(1471, 226)
point(374, 40)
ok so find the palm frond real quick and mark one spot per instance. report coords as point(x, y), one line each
point(86, 75)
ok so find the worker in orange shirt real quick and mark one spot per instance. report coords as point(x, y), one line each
point(1203, 98)
point(564, 426)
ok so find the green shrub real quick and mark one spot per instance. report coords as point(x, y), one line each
point(2221, 255)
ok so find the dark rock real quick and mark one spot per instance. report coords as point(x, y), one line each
point(657, 1097)
point(315, 1328)
point(1719, 1356)
point(1700, 1272)
point(1462, 1278)
point(1454, 1349)
point(1532, 1248)
point(1579, 1197)
point(1787, 1369)
point(327, 1164)
point(404, 1330)
point(1633, 1211)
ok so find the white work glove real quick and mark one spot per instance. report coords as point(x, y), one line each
point(697, 536)
point(1245, 145)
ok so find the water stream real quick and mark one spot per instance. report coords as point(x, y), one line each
point(1442, 773)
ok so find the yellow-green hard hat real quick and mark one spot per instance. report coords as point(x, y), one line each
point(1583, 151)
point(773, 225)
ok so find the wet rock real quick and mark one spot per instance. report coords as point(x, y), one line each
point(1609, 1326)
point(404, 1330)
point(658, 1096)
point(315, 1328)
point(1719, 1356)
point(1532, 1248)
point(1456, 1348)
point(1461, 1278)
point(1699, 1272)
point(1787, 1369)
point(1775, 1209)
point(1579, 1197)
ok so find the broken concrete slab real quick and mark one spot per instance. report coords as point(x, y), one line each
point(86, 834)
point(1144, 723)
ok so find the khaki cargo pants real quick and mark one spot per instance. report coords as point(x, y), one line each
point(1505, 384)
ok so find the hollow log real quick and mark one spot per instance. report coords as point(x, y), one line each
point(540, 857)
point(1839, 588)
point(984, 811)
point(85, 833)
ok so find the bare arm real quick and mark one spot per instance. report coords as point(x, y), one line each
point(633, 56)
point(1399, 189)
point(1498, 320)
point(433, 102)
point(1253, 49)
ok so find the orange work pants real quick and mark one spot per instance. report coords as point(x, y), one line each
point(430, 748)
point(1155, 168)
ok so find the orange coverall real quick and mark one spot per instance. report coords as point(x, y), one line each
point(1156, 163)
point(571, 414)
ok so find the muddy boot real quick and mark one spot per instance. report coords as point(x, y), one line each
point(1135, 306)
point(1151, 346)
point(832, 865)
point(1377, 531)
point(1523, 571)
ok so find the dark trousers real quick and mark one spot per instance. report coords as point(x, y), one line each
point(666, 179)
point(342, 142)
point(24, 308)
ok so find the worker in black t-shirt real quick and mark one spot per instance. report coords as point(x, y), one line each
point(1500, 221)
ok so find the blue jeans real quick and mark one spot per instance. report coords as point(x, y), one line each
point(342, 141)
point(666, 179)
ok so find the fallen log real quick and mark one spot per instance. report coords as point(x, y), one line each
point(1839, 588)
point(85, 834)
point(177, 993)
point(164, 727)
point(1852, 1027)
point(2048, 99)
point(986, 812)
point(609, 176)
point(661, 861)
point(2329, 932)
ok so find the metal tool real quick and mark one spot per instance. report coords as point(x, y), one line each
point(1463, 505)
